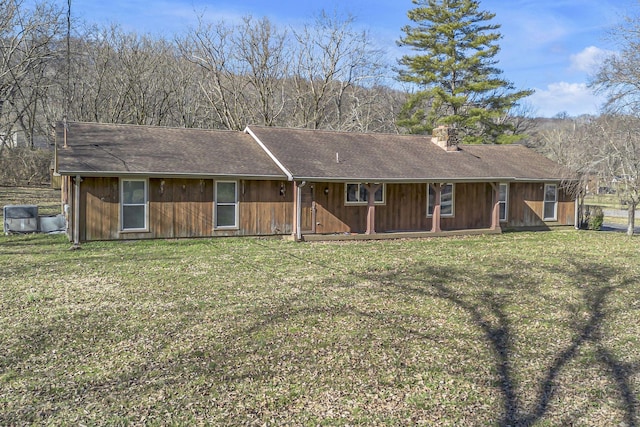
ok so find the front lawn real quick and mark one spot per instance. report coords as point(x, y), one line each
point(516, 329)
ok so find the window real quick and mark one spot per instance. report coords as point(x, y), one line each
point(357, 194)
point(550, 202)
point(133, 210)
point(446, 200)
point(226, 205)
point(503, 201)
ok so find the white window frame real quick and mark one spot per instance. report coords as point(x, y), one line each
point(234, 226)
point(145, 204)
point(453, 201)
point(361, 190)
point(504, 202)
point(545, 201)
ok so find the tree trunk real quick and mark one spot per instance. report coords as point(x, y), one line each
point(632, 218)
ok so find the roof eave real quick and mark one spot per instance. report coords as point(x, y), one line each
point(424, 179)
point(116, 174)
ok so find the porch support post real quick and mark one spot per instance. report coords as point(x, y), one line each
point(495, 211)
point(371, 207)
point(435, 218)
point(76, 212)
point(297, 210)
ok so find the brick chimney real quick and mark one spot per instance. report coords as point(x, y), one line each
point(446, 138)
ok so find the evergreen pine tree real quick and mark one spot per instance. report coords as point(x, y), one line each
point(455, 73)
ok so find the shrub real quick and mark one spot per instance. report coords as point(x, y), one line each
point(22, 166)
point(596, 218)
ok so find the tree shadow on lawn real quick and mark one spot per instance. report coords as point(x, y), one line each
point(486, 307)
point(487, 312)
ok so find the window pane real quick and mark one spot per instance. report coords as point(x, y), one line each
point(378, 196)
point(549, 210)
point(364, 194)
point(431, 201)
point(503, 211)
point(446, 200)
point(225, 216)
point(550, 193)
point(133, 192)
point(503, 192)
point(446, 208)
point(226, 192)
point(352, 191)
point(133, 217)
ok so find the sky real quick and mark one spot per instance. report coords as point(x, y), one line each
point(550, 46)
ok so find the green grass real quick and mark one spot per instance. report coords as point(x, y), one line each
point(516, 329)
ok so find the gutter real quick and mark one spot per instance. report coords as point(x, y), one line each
point(116, 174)
point(424, 180)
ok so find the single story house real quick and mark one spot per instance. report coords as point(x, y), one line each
point(136, 182)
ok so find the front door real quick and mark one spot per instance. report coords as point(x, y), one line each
point(307, 205)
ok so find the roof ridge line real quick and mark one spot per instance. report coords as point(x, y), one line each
point(269, 153)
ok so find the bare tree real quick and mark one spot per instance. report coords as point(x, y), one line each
point(618, 79)
point(264, 50)
point(27, 47)
point(618, 157)
point(123, 77)
point(211, 47)
point(332, 59)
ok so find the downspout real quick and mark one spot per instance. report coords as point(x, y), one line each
point(76, 214)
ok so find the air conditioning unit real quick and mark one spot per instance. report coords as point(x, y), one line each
point(20, 219)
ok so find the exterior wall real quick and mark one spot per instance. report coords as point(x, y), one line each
point(266, 208)
point(526, 207)
point(184, 208)
point(405, 209)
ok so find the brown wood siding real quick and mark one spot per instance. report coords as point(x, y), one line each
point(405, 209)
point(184, 208)
point(99, 209)
point(263, 209)
point(332, 215)
point(526, 206)
point(180, 208)
point(473, 206)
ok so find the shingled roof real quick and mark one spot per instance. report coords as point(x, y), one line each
point(113, 149)
point(285, 153)
point(373, 157)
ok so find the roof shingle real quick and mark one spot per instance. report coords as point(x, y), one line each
point(115, 149)
point(316, 154)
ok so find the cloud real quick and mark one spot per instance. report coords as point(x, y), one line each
point(573, 98)
point(589, 59)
